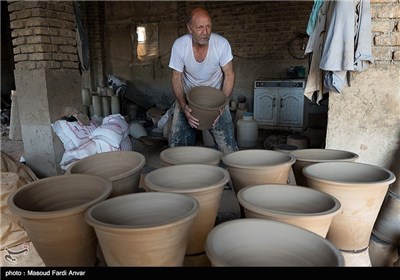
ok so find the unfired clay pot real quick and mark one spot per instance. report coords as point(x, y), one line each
point(203, 182)
point(361, 189)
point(303, 207)
point(191, 154)
point(122, 168)
point(144, 229)
point(306, 157)
point(257, 167)
point(52, 211)
point(206, 103)
point(258, 242)
point(382, 254)
point(387, 225)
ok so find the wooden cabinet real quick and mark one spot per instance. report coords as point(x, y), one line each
point(280, 104)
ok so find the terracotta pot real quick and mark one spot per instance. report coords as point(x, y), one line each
point(144, 229)
point(206, 103)
point(203, 182)
point(122, 168)
point(52, 212)
point(361, 189)
point(191, 154)
point(257, 167)
point(387, 225)
point(307, 157)
point(303, 207)
point(258, 242)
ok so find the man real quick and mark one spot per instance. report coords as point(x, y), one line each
point(201, 58)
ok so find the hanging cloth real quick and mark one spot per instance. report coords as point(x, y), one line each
point(346, 36)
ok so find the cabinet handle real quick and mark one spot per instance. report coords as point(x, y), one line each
point(281, 102)
point(273, 102)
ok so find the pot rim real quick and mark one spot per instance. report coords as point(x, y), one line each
point(58, 213)
point(211, 254)
point(299, 157)
point(163, 154)
point(220, 184)
point(191, 103)
point(225, 159)
point(142, 162)
point(280, 214)
point(306, 173)
point(129, 228)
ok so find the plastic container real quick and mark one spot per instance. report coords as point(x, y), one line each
point(247, 131)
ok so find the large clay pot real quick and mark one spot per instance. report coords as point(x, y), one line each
point(361, 189)
point(206, 103)
point(52, 212)
point(257, 167)
point(303, 207)
point(387, 225)
point(191, 154)
point(307, 157)
point(122, 168)
point(203, 182)
point(258, 242)
point(144, 229)
point(381, 253)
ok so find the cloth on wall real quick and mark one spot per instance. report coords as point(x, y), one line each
point(313, 16)
point(341, 42)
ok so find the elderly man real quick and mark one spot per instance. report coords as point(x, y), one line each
point(201, 58)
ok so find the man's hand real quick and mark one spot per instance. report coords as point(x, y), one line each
point(193, 122)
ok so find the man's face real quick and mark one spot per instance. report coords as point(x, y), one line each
point(200, 28)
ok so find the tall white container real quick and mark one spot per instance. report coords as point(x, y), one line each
point(115, 105)
point(106, 107)
point(247, 131)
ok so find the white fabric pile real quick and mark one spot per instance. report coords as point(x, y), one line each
point(81, 140)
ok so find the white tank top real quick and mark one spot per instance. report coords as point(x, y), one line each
point(205, 73)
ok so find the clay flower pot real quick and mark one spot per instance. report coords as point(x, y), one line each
point(203, 182)
point(257, 167)
point(303, 207)
point(206, 102)
point(361, 189)
point(306, 157)
point(144, 229)
point(52, 212)
point(258, 242)
point(122, 168)
point(387, 225)
point(191, 154)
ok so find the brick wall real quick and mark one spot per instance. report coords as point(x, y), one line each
point(43, 34)
point(260, 29)
point(386, 30)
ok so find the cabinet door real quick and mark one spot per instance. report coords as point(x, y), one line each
point(291, 109)
point(265, 109)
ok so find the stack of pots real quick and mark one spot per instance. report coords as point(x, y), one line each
point(387, 225)
point(361, 189)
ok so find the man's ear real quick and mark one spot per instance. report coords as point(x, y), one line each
point(188, 28)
